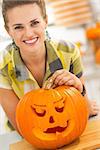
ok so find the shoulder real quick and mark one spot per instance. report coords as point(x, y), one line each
point(5, 56)
point(64, 45)
point(68, 49)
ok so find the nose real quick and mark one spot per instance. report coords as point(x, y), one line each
point(51, 120)
point(28, 32)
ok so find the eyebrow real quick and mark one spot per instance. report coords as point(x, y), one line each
point(33, 20)
point(19, 24)
point(45, 105)
point(40, 105)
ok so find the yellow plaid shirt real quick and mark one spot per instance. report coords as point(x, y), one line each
point(15, 75)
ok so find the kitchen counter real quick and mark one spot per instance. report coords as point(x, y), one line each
point(8, 138)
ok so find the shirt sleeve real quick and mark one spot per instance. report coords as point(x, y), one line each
point(76, 66)
point(4, 81)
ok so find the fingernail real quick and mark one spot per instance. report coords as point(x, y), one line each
point(48, 86)
point(50, 80)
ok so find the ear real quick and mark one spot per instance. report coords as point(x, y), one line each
point(46, 21)
point(7, 29)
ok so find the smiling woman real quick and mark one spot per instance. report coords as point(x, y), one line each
point(27, 30)
point(33, 61)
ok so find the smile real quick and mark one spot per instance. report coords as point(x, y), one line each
point(56, 129)
point(32, 41)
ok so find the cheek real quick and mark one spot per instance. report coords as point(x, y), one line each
point(18, 37)
point(41, 31)
point(42, 34)
point(15, 35)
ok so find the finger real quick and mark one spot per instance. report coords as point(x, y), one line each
point(63, 80)
point(44, 85)
point(96, 108)
point(95, 112)
point(70, 82)
point(94, 102)
point(53, 86)
point(48, 84)
point(57, 73)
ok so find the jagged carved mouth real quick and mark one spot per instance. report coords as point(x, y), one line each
point(56, 129)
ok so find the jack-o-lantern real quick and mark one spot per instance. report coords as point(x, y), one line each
point(49, 119)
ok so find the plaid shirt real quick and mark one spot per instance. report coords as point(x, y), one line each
point(15, 75)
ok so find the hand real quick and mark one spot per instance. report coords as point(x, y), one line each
point(63, 77)
point(94, 108)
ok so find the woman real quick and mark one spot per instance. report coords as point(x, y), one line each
point(31, 61)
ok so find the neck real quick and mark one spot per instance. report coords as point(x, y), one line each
point(34, 58)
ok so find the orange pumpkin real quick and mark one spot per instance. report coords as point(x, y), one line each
point(94, 32)
point(49, 119)
point(97, 56)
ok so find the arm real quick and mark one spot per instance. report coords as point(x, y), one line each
point(92, 105)
point(9, 101)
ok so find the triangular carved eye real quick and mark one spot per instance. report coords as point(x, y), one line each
point(40, 114)
point(60, 106)
point(59, 109)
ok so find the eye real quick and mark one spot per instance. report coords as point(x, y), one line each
point(35, 23)
point(38, 111)
point(18, 27)
point(58, 109)
point(60, 106)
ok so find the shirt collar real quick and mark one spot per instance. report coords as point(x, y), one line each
point(20, 69)
point(53, 62)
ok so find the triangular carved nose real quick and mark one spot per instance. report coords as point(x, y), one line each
point(51, 120)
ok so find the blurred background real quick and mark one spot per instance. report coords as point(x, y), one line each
point(77, 21)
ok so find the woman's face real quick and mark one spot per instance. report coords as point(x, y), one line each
point(27, 27)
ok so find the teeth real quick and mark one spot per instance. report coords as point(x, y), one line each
point(31, 41)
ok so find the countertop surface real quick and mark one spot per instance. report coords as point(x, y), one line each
point(8, 138)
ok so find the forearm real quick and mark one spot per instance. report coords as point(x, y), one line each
point(93, 108)
point(9, 101)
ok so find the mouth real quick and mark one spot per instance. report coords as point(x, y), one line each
point(31, 41)
point(56, 129)
point(55, 132)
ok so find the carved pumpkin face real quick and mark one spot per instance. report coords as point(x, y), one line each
point(52, 118)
